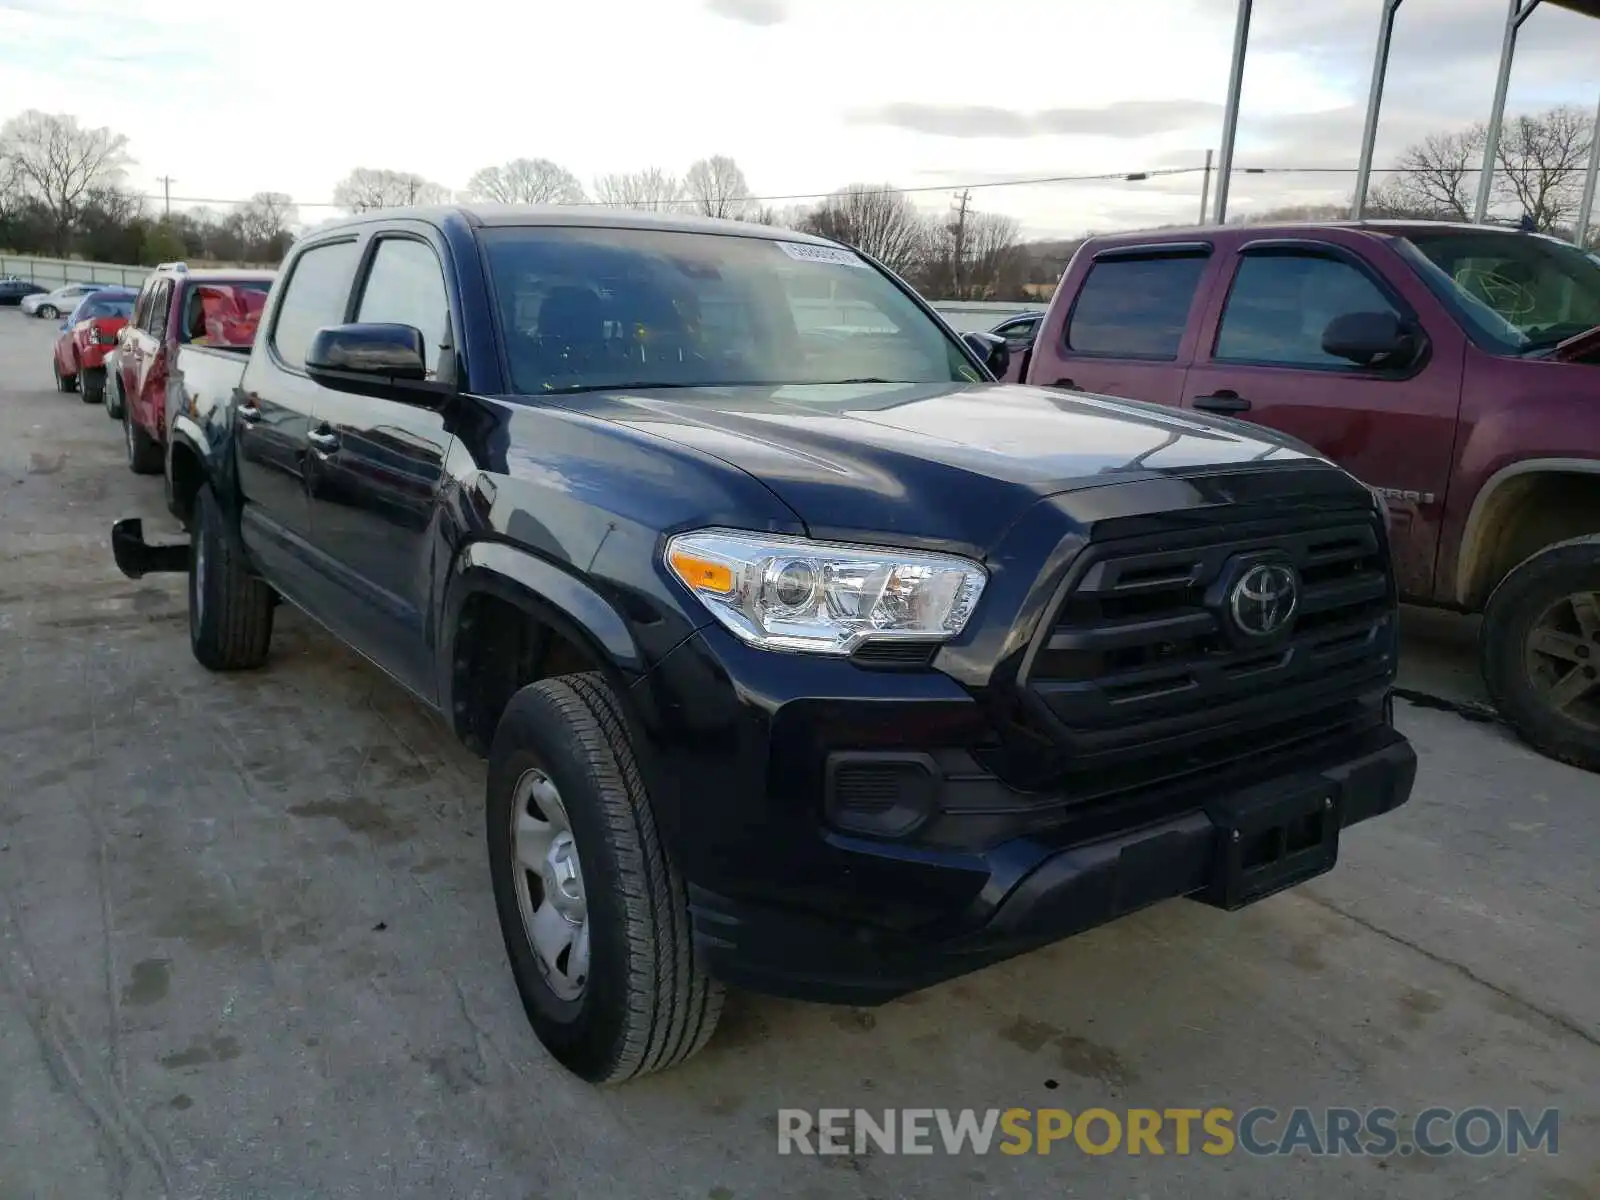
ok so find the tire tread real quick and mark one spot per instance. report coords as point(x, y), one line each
point(241, 630)
point(672, 1005)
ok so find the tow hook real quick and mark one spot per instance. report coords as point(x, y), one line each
point(136, 557)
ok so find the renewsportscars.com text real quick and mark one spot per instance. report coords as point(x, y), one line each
point(1376, 1132)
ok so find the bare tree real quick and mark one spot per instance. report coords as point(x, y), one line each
point(790, 216)
point(526, 181)
point(652, 189)
point(972, 255)
point(367, 188)
point(1437, 176)
point(1539, 171)
point(1542, 160)
point(58, 162)
point(875, 219)
point(718, 187)
point(266, 216)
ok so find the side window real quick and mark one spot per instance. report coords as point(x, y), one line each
point(1135, 307)
point(406, 287)
point(141, 306)
point(315, 296)
point(1019, 334)
point(1280, 304)
point(160, 302)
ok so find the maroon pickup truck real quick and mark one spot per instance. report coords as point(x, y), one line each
point(1455, 369)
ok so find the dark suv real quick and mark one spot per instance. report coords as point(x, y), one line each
point(806, 656)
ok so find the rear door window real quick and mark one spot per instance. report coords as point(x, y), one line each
point(1135, 307)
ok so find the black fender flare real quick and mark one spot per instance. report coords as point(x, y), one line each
point(548, 593)
point(189, 434)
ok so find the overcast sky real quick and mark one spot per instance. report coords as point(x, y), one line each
point(806, 95)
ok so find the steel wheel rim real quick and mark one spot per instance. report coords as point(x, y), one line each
point(549, 884)
point(1562, 658)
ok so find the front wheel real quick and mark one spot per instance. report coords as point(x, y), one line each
point(64, 383)
point(48, 312)
point(230, 610)
point(113, 397)
point(1540, 648)
point(594, 915)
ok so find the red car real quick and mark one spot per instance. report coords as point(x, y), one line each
point(87, 336)
point(177, 307)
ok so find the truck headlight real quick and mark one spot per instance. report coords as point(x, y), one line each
point(788, 593)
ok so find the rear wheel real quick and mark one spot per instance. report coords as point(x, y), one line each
point(92, 383)
point(114, 404)
point(64, 383)
point(230, 610)
point(594, 914)
point(1540, 649)
point(48, 311)
point(144, 454)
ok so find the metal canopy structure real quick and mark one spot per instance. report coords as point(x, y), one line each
point(1518, 11)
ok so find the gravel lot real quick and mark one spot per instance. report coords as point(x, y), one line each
point(247, 946)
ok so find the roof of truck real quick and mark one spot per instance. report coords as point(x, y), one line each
point(1389, 228)
point(587, 215)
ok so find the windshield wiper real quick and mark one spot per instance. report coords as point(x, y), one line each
point(1555, 336)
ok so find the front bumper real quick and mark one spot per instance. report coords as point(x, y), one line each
point(786, 899)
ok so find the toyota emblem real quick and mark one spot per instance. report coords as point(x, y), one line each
point(1264, 599)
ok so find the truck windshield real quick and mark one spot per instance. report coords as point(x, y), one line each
point(585, 309)
point(1519, 293)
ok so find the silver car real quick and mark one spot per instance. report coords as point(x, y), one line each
point(64, 299)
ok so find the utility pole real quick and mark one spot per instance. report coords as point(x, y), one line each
point(166, 182)
point(1205, 191)
point(959, 254)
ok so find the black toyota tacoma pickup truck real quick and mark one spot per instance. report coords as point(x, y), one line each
point(806, 657)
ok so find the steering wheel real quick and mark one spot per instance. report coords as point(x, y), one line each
point(1509, 297)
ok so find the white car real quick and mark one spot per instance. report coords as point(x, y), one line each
point(64, 299)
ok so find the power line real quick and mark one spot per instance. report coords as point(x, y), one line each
point(1034, 181)
point(1102, 177)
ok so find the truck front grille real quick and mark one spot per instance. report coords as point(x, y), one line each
point(1142, 675)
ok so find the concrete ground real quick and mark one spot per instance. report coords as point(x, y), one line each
point(247, 947)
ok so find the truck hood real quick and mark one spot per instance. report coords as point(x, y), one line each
point(945, 463)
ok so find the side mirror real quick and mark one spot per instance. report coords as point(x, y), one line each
point(1371, 339)
point(364, 357)
point(994, 352)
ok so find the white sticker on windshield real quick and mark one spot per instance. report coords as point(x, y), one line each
point(834, 256)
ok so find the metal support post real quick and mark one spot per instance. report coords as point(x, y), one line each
point(1369, 137)
point(1230, 115)
point(1586, 208)
point(1517, 12)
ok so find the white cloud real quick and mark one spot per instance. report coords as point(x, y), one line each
point(291, 96)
